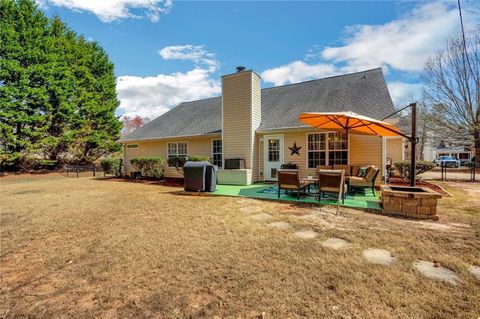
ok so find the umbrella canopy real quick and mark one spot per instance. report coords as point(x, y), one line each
point(350, 122)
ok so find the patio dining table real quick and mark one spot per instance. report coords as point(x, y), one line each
point(315, 182)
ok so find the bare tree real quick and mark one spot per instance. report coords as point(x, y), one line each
point(452, 90)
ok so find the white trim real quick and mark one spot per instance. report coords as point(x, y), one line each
point(384, 156)
point(327, 149)
point(265, 152)
point(176, 142)
point(251, 132)
point(169, 137)
point(211, 149)
point(287, 128)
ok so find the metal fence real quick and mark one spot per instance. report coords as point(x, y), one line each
point(82, 170)
point(465, 173)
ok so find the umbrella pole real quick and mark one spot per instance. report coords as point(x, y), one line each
point(413, 144)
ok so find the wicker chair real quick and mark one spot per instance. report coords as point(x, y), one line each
point(332, 181)
point(364, 182)
point(289, 180)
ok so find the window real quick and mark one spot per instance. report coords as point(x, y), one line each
point(337, 149)
point(273, 150)
point(327, 149)
point(179, 149)
point(132, 146)
point(316, 150)
point(217, 152)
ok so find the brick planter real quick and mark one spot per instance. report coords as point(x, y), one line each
point(413, 202)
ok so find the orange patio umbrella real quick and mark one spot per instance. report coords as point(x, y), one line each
point(350, 122)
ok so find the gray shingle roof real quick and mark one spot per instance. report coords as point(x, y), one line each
point(365, 93)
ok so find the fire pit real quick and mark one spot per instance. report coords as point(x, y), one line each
point(414, 202)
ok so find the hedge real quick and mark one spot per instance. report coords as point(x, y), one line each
point(111, 166)
point(199, 158)
point(180, 161)
point(403, 167)
point(149, 166)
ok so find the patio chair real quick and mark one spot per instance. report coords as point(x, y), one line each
point(289, 180)
point(364, 182)
point(332, 181)
point(345, 168)
point(320, 167)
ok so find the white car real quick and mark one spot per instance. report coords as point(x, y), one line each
point(447, 161)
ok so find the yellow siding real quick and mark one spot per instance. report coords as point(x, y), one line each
point(364, 150)
point(196, 146)
point(395, 149)
point(256, 119)
point(240, 96)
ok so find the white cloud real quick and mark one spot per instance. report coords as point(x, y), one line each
point(152, 96)
point(111, 10)
point(404, 93)
point(298, 71)
point(403, 44)
point(195, 53)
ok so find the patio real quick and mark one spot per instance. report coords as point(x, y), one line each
point(269, 191)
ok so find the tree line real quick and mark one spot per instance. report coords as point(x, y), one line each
point(57, 91)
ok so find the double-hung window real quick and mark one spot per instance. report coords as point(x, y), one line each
point(337, 149)
point(217, 152)
point(327, 149)
point(177, 149)
point(317, 150)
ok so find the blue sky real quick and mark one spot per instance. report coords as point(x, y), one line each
point(177, 51)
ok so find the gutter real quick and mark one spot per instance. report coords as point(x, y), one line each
point(168, 137)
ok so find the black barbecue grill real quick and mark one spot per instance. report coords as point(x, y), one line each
point(200, 176)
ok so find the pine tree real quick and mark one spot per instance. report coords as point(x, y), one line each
point(24, 77)
point(57, 90)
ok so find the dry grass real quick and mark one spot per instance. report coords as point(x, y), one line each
point(96, 248)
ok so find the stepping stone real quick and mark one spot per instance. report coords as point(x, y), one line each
point(261, 217)
point(306, 234)
point(280, 225)
point(378, 256)
point(475, 271)
point(335, 243)
point(251, 209)
point(434, 271)
point(244, 201)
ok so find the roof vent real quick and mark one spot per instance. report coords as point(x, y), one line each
point(240, 68)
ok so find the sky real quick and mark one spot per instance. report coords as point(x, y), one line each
point(166, 52)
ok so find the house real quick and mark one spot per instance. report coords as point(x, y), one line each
point(460, 150)
point(260, 125)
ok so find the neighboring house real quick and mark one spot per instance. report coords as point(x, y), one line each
point(259, 125)
point(460, 150)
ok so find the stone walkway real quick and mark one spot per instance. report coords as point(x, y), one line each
point(377, 256)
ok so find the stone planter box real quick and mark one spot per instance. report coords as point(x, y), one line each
point(413, 202)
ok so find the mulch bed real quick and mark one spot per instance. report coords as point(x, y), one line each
point(419, 183)
point(171, 182)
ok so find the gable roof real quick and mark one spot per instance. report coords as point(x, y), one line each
point(365, 93)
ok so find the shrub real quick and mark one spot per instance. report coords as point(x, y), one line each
point(403, 167)
point(149, 166)
point(199, 158)
point(111, 166)
point(177, 161)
